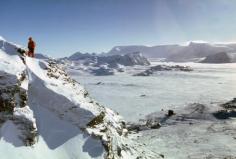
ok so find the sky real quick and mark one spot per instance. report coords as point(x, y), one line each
point(63, 27)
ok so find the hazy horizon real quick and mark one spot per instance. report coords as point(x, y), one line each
point(61, 28)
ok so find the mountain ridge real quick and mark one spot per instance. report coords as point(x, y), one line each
point(49, 90)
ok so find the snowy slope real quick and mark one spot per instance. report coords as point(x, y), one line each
point(57, 116)
point(15, 113)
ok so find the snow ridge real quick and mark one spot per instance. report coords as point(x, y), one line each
point(48, 89)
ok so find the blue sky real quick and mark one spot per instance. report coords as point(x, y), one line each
point(62, 27)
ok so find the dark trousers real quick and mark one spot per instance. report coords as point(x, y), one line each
point(31, 52)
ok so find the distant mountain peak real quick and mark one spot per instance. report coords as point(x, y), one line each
point(197, 42)
point(2, 39)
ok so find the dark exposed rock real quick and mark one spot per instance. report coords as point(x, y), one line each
point(162, 156)
point(153, 124)
point(8, 89)
point(145, 125)
point(23, 97)
point(13, 99)
point(154, 69)
point(29, 134)
point(229, 110)
point(170, 113)
point(119, 151)
point(102, 71)
point(144, 73)
point(224, 114)
point(134, 127)
point(99, 83)
point(143, 95)
point(86, 94)
point(230, 105)
point(188, 115)
point(21, 51)
point(97, 120)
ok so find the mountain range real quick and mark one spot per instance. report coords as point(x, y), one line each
point(176, 53)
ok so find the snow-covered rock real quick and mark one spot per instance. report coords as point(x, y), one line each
point(14, 108)
point(221, 57)
point(112, 61)
point(156, 68)
point(130, 59)
point(194, 131)
point(94, 64)
point(41, 56)
point(102, 71)
point(42, 106)
point(81, 56)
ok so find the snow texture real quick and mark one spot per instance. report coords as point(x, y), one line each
point(58, 116)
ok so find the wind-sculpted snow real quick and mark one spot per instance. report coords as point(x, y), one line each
point(55, 114)
point(194, 131)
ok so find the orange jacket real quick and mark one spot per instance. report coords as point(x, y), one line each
point(31, 44)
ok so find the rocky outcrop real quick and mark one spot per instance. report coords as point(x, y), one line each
point(36, 89)
point(13, 107)
point(193, 127)
point(190, 114)
point(102, 71)
point(83, 112)
point(221, 57)
point(228, 111)
point(157, 68)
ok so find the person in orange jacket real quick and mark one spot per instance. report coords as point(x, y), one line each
point(31, 47)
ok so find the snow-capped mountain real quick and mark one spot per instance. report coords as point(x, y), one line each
point(103, 65)
point(41, 56)
point(130, 59)
point(41, 106)
point(176, 52)
point(162, 51)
